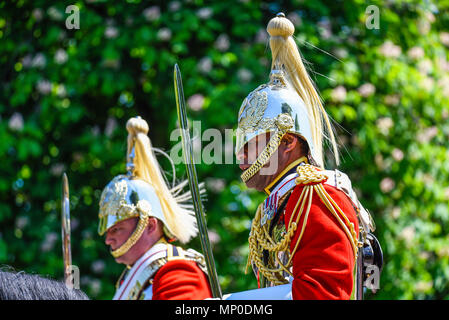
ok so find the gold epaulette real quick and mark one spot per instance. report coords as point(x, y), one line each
point(308, 174)
point(313, 178)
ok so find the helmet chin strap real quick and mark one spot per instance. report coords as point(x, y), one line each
point(264, 156)
point(132, 240)
point(284, 123)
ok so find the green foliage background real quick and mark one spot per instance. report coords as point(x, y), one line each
point(66, 95)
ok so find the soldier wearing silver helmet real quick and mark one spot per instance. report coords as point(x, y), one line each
point(310, 232)
point(140, 215)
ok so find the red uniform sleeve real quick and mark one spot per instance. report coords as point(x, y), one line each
point(324, 262)
point(181, 280)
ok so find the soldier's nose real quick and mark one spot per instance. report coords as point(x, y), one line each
point(241, 156)
point(108, 240)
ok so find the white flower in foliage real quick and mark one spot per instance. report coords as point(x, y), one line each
point(164, 34)
point(407, 234)
point(204, 13)
point(443, 64)
point(196, 102)
point(384, 124)
point(57, 169)
point(295, 18)
point(244, 75)
point(261, 36)
point(390, 50)
point(111, 125)
point(95, 286)
point(424, 26)
point(325, 28)
point(15, 123)
point(397, 154)
point(37, 14)
point(424, 136)
point(111, 32)
point(216, 185)
point(340, 53)
point(222, 43)
point(205, 65)
point(152, 13)
point(427, 84)
point(61, 91)
point(392, 99)
point(387, 184)
point(22, 222)
point(425, 66)
point(444, 38)
point(415, 53)
point(98, 266)
point(395, 212)
point(366, 90)
point(39, 61)
point(49, 241)
point(443, 83)
point(174, 6)
point(214, 237)
point(44, 86)
point(61, 56)
point(55, 14)
point(338, 94)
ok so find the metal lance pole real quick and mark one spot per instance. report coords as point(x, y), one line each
point(65, 228)
point(193, 183)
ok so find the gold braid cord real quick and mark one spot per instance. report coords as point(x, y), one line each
point(264, 156)
point(144, 209)
point(143, 223)
point(283, 122)
point(260, 240)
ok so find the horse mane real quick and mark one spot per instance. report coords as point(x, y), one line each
point(23, 286)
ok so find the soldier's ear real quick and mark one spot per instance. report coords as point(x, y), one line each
point(290, 142)
point(152, 224)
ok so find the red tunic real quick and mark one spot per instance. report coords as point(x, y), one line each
point(180, 280)
point(324, 262)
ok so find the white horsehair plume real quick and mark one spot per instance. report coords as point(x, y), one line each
point(180, 218)
point(286, 56)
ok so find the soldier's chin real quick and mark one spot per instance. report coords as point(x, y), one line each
point(255, 182)
point(121, 260)
point(118, 259)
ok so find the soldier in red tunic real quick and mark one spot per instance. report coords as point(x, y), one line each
point(310, 230)
point(140, 216)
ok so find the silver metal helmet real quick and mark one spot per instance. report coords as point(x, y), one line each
point(127, 197)
point(274, 107)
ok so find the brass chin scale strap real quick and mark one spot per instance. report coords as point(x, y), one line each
point(283, 122)
point(132, 240)
point(144, 208)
